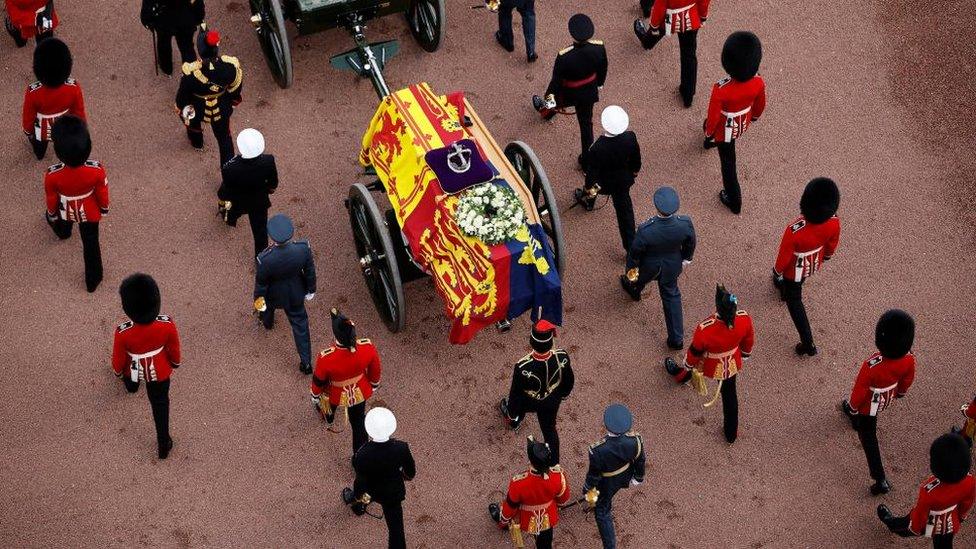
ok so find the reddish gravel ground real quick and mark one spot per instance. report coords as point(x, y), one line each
point(873, 94)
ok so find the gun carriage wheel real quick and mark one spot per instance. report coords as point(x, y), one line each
point(530, 170)
point(269, 22)
point(426, 19)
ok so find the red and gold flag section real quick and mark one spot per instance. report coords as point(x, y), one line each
point(480, 284)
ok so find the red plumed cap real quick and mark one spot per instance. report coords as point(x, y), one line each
point(544, 326)
point(213, 38)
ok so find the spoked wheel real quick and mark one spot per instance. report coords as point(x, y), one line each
point(528, 167)
point(427, 21)
point(269, 22)
point(377, 257)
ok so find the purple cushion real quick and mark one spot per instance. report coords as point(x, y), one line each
point(459, 166)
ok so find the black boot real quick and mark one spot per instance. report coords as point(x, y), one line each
point(164, 449)
point(804, 349)
point(723, 197)
point(880, 487)
point(845, 407)
point(495, 512)
point(629, 288)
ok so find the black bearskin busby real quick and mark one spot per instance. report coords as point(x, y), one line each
point(72, 142)
point(726, 305)
point(949, 458)
point(52, 62)
point(543, 333)
point(540, 456)
point(140, 298)
point(207, 44)
point(820, 200)
point(741, 55)
point(344, 330)
point(895, 333)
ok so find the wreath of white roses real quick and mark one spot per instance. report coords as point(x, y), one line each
point(490, 212)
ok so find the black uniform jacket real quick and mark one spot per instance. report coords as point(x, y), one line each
point(660, 245)
point(536, 383)
point(247, 182)
point(284, 274)
point(615, 460)
point(173, 16)
point(212, 86)
point(578, 63)
point(613, 162)
point(381, 468)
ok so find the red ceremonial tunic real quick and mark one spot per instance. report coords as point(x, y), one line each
point(42, 105)
point(941, 508)
point(678, 15)
point(153, 348)
point(23, 16)
point(805, 246)
point(718, 349)
point(733, 106)
point(350, 376)
point(77, 194)
point(536, 498)
point(879, 381)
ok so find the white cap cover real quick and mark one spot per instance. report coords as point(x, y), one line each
point(250, 142)
point(614, 120)
point(380, 424)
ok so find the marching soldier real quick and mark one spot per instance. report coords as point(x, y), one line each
point(285, 279)
point(737, 101)
point(209, 91)
point(28, 19)
point(883, 377)
point(944, 499)
point(381, 465)
point(169, 19)
point(247, 181)
point(616, 462)
point(504, 35)
point(807, 242)
point(721, 344)
point(681, 17)
point(76, 191)
point(532, 502)
point(612, 164)
point(577, 77)
point(968, 430)
point(53, 95)
point(541, 381)
point(349, 370)
point(147, 348)
point(664, 245)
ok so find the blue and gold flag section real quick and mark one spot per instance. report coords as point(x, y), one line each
point(480, 284)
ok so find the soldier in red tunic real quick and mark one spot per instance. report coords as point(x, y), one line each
point(349, 370)
point(76, 191)
point(944, 499)
point(720, 345)
point(53, 95)
point(883, 377)
point(28, 19)
point(807, 242)
point(737, 101)
point(681, 17)
point(533, 499)
point(147, 348)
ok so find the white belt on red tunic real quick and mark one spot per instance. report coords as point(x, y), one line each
point(880, 398)
point(734, 125)
point(720, 356)
point(805, 266)
point(938, 519)
point(669, 15)
point(72, 203)
point(42, 123)
point(141, 366)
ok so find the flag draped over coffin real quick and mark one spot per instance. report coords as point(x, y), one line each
point(480, 284)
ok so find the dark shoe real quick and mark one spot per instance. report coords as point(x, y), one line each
point(885, 514)
point(845, 407)
point(495, 512)
point(672, 368)
point(508, 47)
point(629, 288)
point(532, 57)
point(164, 450)
point(305, 368)
point(583, 198)
point(804, 349)
point(731, 439)
point(723, 197)
point(92, 286)
point(347, 497)
point(513, 424)
point(538, 103)
point(880, 487)
point(675, 346)
point(686, 99)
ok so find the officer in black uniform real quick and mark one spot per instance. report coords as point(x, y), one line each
point(612, 164)
point(381, 466)
point(169, 19)
point(247, 181)
point(209, 91)
point(616, 462)
point(663, 246)
point(541, 381)
point(285, 279)
point(504, 35)
point(577, 77)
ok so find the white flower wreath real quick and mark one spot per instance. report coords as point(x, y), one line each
point(490, 212)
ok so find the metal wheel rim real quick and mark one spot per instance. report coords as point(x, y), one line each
point(373, 243)
point(530, 170)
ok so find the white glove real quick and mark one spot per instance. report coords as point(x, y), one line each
point(685, 262)
point(309, 297)
point(635, 482)
point(188, 113)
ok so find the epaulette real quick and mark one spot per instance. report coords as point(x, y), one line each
point(524, 360)
point(364, 341)
point(239, 72)
point(71, 82)
point(164, 318)
point(55, 167)
point(798, 225)
point(93, 163)
point(125, 326)
point(682, 217)
point(326, 352)
point(556, 468)
point(595, 42)
point(264, 253)
point(230, 59)
point(875, 361)
point(303, 242)
point(741, 313)
point(640, 443)
point(188, 68)
point(521, 476)
point(706, 323)
point(595, 444)
point(35, 86)
point(565, 50)
point(932, 485)
point(723, 81)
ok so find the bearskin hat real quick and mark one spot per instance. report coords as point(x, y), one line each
point(72, 142)
point(540, 456)
point(207, 43)
point(726, 305)
point(949, 458)
point(895, 333)
point(820, 200)
point(343, 329)
point(52, 62)
point(140, 298)
point(741, 55)
point(543, 333)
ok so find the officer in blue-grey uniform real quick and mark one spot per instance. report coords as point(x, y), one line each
point(285, 279)
point(664, 244)
point(616, 462)
point(504, 35)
